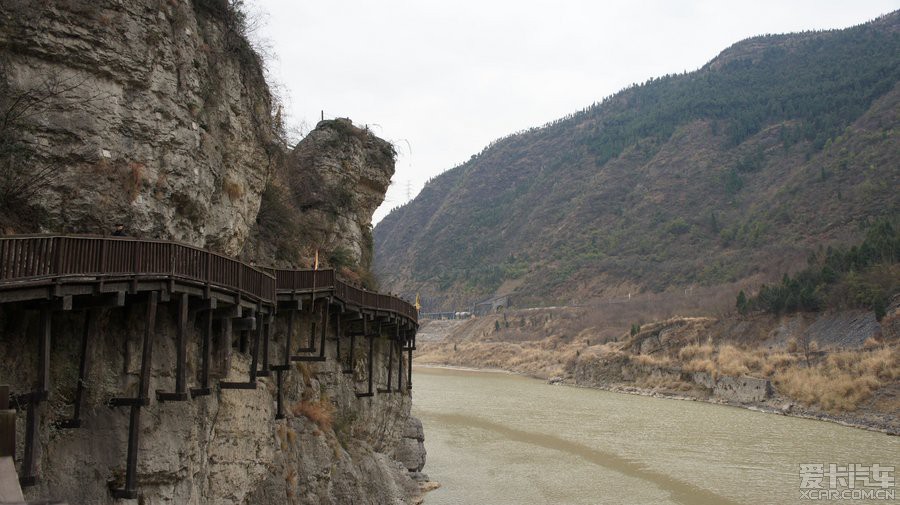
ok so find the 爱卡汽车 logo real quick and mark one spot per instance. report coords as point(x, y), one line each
point(854, 481)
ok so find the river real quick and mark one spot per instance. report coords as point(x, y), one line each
point(496, 438)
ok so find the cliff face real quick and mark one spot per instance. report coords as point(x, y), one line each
point(332, 447)
point(154, 114)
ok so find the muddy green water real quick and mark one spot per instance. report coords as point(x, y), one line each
point(495, 438)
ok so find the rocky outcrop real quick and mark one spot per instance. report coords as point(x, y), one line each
point(342, 173)
point(411, 451)
point(322, 199)
point(151, 113)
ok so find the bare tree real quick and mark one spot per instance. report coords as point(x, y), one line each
point(22, 175)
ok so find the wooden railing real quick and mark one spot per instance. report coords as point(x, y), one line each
point(31, 258)
point(326, 280)
point(56, 258)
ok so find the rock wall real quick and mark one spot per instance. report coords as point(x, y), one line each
point(227, 448)
point(156, 114)
point(742, 389)
point(322, 199)
point(411, 451)
point(151, 113)
point(341, 173)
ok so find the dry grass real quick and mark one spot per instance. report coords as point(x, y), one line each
point(842, 381)
point(776, 361)
point(233, 189)
point(659, 361)
point(530, 358)
point(839, 382)
point(701, 365)
point(546, 343)
point(320, 412)
point(871, 343)
point(736, 362)
point(305, 373)
point(286, 435)
point(696, 351)
point(291, 480)
point(728, 359)
point(882, 364)
point(831, 391)
point(134, 180)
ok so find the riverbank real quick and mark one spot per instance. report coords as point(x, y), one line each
point(777, 404)
point(841, 367)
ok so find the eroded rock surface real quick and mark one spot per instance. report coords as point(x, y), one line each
point(151, 113)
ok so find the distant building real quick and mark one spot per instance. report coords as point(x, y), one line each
point(492, 305)
point(443, 315)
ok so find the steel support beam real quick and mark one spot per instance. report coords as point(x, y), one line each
point(129, 491)
point(75, 421)
point(33, 414)
point(204, 389)
point(181, 393)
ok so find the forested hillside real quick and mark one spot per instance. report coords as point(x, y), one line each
point(729, 174)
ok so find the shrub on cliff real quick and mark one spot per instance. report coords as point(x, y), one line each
point(320, 412)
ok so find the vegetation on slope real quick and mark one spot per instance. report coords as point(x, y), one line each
point(863, 276)
point(730, 173)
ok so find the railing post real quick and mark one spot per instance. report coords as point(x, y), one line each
point(208, 280)
point(104, 252)
point(172, 266)
point(240, 281)
point(57, 261)
point(57, 257)
point(137, 266)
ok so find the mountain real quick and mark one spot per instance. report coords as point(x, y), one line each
point(731, 174)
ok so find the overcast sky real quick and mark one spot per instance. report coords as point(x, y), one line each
point(443, 79)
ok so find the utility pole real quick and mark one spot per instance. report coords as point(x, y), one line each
point(408, 190)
